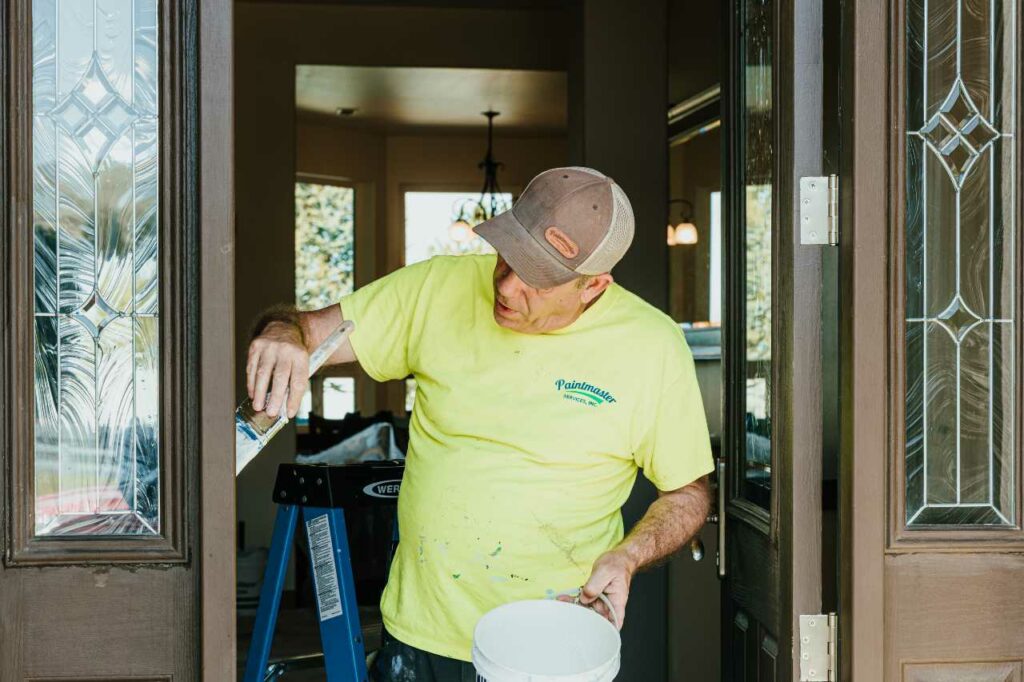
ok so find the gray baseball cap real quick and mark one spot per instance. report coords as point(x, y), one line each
point(568, 222)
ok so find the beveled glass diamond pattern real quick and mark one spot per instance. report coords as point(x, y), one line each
point(94, 87)
point(72, 114)
point(94, 114)
point(958, 318)
point(117, 115)
point(978, 132)
point(958, 133)
point(95, 314)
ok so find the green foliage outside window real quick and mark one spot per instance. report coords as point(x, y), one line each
point(324, 244)
point(759, 272)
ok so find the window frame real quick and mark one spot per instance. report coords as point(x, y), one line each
point(178, 307)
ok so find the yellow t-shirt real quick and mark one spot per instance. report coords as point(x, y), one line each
point(522, 447)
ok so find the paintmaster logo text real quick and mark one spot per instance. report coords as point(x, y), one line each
point(582, 392)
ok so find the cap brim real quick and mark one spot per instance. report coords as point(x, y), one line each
point(517, 247)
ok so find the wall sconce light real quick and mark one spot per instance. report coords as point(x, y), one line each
point(684, 232)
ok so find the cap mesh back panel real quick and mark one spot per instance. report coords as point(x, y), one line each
point(584, 169)
point(616, 242)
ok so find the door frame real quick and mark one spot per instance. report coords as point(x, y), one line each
point(215, 561)
point(863, 258)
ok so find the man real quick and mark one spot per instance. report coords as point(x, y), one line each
point(542, 387)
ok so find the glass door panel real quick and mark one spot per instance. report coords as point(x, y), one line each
point(757, 123)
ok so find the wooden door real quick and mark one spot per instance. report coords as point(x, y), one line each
point(116, 343)
point(772, 346)
point(931, 385)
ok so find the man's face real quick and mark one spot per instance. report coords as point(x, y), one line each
point(524, 309)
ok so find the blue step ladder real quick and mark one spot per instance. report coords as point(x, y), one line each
point(321, 492)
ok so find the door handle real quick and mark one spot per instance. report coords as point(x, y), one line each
point(722, 494)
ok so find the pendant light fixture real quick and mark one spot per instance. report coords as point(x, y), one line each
point(468, 212)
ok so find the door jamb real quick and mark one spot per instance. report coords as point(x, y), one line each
point(863, 261)
point(216, 555)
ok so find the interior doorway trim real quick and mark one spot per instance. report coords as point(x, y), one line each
point(216, 523)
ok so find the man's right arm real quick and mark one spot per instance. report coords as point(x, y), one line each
point(278, 360)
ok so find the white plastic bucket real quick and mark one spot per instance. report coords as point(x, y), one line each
point(545, 641)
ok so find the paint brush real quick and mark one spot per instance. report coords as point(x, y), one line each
point(253, 430)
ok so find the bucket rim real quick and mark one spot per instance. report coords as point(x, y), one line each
point(607, 635)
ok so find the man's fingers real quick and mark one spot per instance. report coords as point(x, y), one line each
point(251, 364)
point(279, 388)
point(619, 604)
point(598, 583)
point(602, 608)
point(263, 373)
point(295, 394)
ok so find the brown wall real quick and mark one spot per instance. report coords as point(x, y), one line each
point(694, 46)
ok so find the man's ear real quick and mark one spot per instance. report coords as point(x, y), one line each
point(595, 286)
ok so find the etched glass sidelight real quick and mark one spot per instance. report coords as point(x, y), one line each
point(961, 353)
point(95, 145)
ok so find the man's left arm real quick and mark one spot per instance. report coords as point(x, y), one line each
point(669, 523)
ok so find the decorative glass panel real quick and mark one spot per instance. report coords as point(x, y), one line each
point(95, 220)
point(960, 239)
point(757, 126)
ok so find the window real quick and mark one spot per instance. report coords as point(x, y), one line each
point(337, 398)
point(715, 238)
point(324, 272)
point(429, 230)
point(410, 395)
point(324, 244)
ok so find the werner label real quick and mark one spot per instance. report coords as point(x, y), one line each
point(385, 489)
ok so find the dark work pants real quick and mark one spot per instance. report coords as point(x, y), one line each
point(398, 662)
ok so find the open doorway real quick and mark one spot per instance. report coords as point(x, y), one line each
point(386, 173)
point(384, 138)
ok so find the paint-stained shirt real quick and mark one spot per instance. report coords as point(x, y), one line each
point(523, 447)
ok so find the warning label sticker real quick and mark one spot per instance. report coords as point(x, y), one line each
point(325, 574)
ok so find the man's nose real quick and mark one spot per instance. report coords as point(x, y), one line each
point(509, 283)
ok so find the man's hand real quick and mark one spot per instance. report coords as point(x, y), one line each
point(612, 574)
point(279, 356)
point(278, 360)
point(670, 521)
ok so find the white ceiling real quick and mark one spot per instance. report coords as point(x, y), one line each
point(405, 97)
